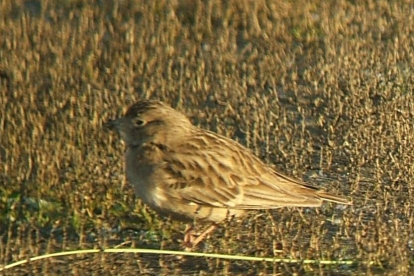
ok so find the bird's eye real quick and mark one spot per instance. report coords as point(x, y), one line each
point(138, 122)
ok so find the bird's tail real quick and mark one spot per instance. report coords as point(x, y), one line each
point(337, 199)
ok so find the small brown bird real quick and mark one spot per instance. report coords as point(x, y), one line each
point(189, 173)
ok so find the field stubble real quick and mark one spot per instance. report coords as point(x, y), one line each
point(324, 92)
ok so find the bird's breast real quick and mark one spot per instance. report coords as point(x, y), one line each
point(142, 174)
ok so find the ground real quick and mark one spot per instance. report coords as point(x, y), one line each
point(321, 90)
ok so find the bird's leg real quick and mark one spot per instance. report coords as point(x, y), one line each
point(204, 234)
point(191, 240)
point(188, 236)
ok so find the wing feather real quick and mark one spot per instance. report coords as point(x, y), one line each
point(222, 173)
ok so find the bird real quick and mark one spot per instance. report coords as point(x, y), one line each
point(192, 174)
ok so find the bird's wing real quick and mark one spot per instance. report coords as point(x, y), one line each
point(196, 179)
point(234, 178)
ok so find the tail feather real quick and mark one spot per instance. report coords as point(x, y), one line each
point(333, 198)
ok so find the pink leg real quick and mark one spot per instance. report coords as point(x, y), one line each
point(190, 241)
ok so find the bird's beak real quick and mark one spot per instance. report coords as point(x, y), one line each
point(112, 124)
point(122, 127)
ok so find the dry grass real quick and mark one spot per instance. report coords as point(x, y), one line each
point(321, 89)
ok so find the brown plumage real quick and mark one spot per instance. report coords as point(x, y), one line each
point(190, 173)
